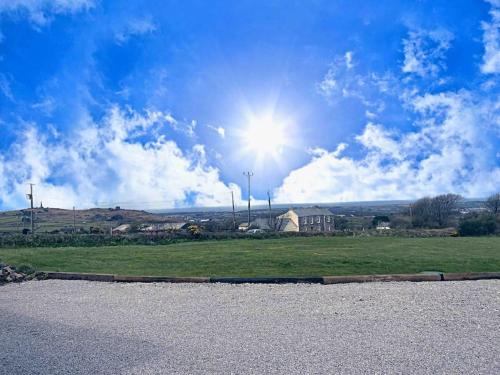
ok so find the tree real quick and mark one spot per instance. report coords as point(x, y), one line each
point(400, 222)
point(442, 207)
point(477, 225)
point(434, 212)
point(493, 203)
point(341, 223)
point(421, 212)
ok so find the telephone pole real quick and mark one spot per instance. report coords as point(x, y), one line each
point(30, 197)
point(74, 220)
point(249, 175)
point(270, 215)
point(234, 217)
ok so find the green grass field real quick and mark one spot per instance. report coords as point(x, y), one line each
point(313, 256)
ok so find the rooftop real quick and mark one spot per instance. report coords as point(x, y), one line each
point(312, 211)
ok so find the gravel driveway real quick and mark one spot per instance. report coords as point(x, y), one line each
point(61, 327)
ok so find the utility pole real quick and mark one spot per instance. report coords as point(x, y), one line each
point(234, 217)
point(270, 215)
point(74, 220)
point(30, 197)
point(249, 175)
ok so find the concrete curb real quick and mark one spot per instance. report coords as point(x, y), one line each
point(418, 277)
point(267, 280)
point(159, 279)
point(79, 276)
point(471, 276)
point(373, 278)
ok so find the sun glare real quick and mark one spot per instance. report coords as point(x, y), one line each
point(265, 137)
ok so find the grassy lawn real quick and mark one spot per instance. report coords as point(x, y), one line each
point(313, 256)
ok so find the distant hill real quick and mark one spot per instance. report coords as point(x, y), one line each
point(50, 219)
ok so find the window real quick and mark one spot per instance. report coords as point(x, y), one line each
point(304, 220)
point(312, 220)
point(328, 219)
point(318, 219)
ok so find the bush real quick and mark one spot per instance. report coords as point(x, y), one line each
point(27, 269)
point(477, 225)
point(102, 239)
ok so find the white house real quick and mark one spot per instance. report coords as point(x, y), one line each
point(306, 219)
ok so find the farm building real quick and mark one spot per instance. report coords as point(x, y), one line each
point(120, 229)
point(306, 219)
point(383, 225)
point(165, 227)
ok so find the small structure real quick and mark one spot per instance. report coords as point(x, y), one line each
point(120, 229)
point(383, 225)
point(165, 227)
point(173, 227)
point(244, 227)
point(306, 219)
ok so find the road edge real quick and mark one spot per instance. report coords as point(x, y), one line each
point(326, 280)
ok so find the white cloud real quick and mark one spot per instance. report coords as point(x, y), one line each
point(342, 81)
point(328, 84)
point(451, 151)
point(370, 115)
point(105, 162)
point(377, 139)
point(182, 126)
point(219, 130)
point(5, 88)
point(348, 60)
point(425, 52)
point(491, 41)
point(136, 26)
point(340, 78)
point(40, 12)
point(46, 105)
point(191, 127)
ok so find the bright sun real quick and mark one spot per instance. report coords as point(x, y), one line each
point(265, 137)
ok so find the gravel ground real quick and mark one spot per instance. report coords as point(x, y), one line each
point(69, 327)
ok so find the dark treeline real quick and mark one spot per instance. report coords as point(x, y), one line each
point(440, 212)
point(434, 212)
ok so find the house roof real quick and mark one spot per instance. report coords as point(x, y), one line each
point(172, 226)
point(283, 223)
point(122, 228)
point(311, 211)
point(163, 226)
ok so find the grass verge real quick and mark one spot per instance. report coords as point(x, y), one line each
point(314, 256)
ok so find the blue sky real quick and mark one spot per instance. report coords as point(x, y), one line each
point(165, 104)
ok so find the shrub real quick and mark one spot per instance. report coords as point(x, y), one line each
point(27, 269)
point(477, 225)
